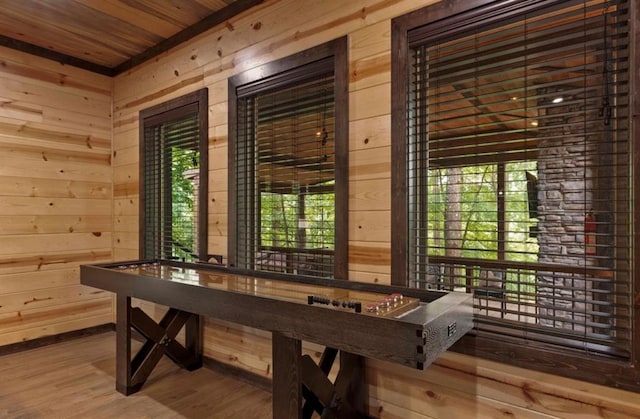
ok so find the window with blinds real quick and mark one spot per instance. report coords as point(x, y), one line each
point(173, 155)
point(286, 182)
point(517, 168)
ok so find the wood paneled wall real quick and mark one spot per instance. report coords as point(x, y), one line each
point(66, 199)
point(456, 386)
point(55, 195)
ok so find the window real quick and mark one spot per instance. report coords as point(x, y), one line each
point(173, 176)
point(288, 165)
point(512, 133)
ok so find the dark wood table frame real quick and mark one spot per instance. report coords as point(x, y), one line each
point(159, 340)
point(300, 386)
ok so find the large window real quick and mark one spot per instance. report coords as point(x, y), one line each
point(173, 176)
point(514, 176)
point(288, 165)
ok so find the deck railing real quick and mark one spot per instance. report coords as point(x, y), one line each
point(559, 303)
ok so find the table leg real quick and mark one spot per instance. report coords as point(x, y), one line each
point(287, 387)
point(123, 345)
point(193, 341)
point(133, 371)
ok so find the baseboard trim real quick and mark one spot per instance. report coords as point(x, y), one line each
point(53, 339)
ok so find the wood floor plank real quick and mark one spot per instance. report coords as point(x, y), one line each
point(76, 379)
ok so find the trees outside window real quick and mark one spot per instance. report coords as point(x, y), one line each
point(288, 165)
point(173, 179)
point(512, 143)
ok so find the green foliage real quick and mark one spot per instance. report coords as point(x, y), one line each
point(183, 220)
point(479, 213)
point(519, 245)
point(320, 216)
point(280, 225)
point(278, 219)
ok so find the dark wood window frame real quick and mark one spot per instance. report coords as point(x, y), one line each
point(552, 359)
point(167, 112)
point(337, 50)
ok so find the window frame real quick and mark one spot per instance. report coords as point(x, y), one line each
point(167, 112)
point(445, 17)
point(337, 50)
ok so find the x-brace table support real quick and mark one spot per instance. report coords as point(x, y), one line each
point(131, 373)
point(297, 377)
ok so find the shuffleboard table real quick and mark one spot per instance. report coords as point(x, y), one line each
point(409, 327)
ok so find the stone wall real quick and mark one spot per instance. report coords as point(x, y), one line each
point(569, 142)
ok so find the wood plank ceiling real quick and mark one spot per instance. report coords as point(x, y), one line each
point(108, 36)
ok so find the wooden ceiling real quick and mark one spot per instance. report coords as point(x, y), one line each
point(108, 36)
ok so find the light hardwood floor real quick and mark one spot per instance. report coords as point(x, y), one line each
point(76, 379)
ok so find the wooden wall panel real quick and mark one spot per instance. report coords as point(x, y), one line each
point(14, 132)
point(372, 257)
point(245, 348)
point(59, 323)
point(370, 102)
point(125, 181)
point(33, 69)
point(456, 386)
point(127, 156)
point(55, 195)
point(369, 41)
point(37, 93)
point(34, 187)
point(370, 195)
point(370, 226)
point(15, 244)
point(33, 281)
point(370, 133)
point(13, 323)
point(49, 297)
point(54, 224)
point(370, 163)
point(125, 137)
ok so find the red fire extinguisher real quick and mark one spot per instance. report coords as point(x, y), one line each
point(590, 234)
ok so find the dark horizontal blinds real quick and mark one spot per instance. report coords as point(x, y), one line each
point(518, 170)
point(285, 173)
point(171, 179)
point(295, 137)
